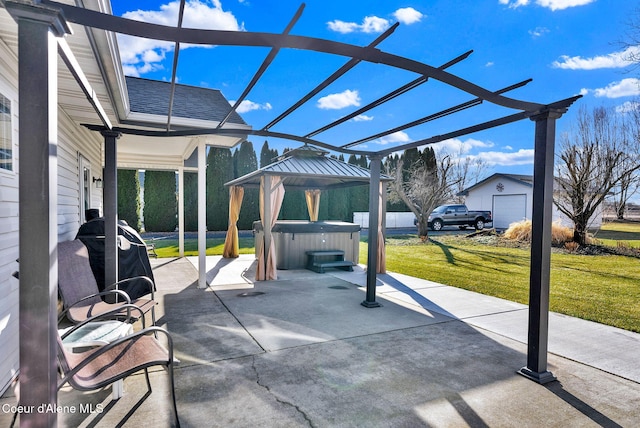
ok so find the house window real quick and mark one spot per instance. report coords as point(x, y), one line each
point(6, 143)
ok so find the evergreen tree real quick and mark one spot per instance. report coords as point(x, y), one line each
point(219, 171)
point(191, 201)
point(359, 195)
point(267, 155)
point(338, 199)
point(160, 202)
point(129, 197)
point(245, 161)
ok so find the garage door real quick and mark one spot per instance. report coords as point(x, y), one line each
point(508, 209)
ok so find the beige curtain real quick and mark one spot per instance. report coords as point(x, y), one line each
point(231, 242)
point(276, 192)
point(312, 197)
point(382, 259)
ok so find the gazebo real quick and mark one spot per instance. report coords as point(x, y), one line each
point(306, 168)
point(43, 28)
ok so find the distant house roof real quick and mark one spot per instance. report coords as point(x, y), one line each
point(152, 97)
point(308, 167)
point(526, 180)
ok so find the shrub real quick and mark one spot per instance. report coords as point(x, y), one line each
point(521, 232)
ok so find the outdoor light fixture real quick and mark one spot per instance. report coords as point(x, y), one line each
point(98, 182)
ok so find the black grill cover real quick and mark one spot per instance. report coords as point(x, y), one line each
point(132, 262)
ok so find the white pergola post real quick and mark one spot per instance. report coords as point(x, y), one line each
point(181, 211)
point(202, 215)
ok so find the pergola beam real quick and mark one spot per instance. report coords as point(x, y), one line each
point(438, 115)
point(329, 80)
point(263, 67)
point(174, 67)
point(388, 97)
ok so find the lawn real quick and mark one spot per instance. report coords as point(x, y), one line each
point(603, 288)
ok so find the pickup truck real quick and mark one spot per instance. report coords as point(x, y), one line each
point(458, 215)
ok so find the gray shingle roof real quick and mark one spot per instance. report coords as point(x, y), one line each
point(152, 97)
point(309, 168)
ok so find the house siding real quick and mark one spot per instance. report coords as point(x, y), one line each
point(9, 231)
point(72, 141)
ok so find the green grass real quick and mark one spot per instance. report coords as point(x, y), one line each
point(215, 247)
point(619, 234)
point(600, 288)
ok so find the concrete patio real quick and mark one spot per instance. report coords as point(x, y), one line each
point(302, 351)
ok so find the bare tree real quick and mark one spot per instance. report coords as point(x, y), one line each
point(427, 185)
point(466, 171)
point(594, 158)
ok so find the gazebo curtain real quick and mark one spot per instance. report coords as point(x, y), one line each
point(231, 242)
point(382, 260)
point(267, 271)
point(312, 196)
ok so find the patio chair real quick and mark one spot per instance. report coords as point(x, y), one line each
point(79, 290)
point(102, 366)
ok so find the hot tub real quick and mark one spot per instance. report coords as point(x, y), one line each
point(293, 238)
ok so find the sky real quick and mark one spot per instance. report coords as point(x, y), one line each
point(568, 47)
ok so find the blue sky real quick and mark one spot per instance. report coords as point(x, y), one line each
point(567, 47)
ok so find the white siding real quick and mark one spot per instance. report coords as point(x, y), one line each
point(9, 233)
point(72, 140)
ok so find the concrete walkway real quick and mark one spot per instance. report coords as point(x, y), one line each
point(302, 352)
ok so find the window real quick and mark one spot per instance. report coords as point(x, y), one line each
point(6, 143)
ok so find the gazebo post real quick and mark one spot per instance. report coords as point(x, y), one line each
point(266, 220)
point(372, 237)
point(540, 268)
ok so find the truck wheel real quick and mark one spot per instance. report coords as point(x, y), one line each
point(436, 225)
point(479, 224)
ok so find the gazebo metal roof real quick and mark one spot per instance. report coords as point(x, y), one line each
point(308, 167)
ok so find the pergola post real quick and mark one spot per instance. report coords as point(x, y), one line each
point(110, 198)
point(372, 240)
point(38, 27)
point(181, 211)
point(540, 268)
point(202, 215)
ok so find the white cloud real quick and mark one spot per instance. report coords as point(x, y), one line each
point(489, 64)
point(612, 60)
point(408, 15)
point(457, 146)
point(396, 137)
point(521, 157)
point(562, 4)
point(140, 55)
point(550, 4)
point(362, 118)
point(538, 31)
point(625, 88)
point(338, 101)
point(370, 24)
point(247, 106)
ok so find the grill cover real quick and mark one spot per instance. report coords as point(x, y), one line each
point(131, 262)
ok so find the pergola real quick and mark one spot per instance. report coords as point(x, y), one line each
point(42, 26)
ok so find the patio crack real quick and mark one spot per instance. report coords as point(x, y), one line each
point(278, 399)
